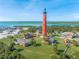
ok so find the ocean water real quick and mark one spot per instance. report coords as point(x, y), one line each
point(19, 23)
point(34, 23)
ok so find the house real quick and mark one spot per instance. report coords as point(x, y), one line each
point(67, 35)
point(28, 35)
point(75, 41)
point(51, 40)
point(75, 36)
point(78, 42)
point(38, 32)
point(23, 42)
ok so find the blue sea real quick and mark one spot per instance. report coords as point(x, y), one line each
point(35, 23)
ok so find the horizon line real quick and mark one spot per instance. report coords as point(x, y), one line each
point(39, 21)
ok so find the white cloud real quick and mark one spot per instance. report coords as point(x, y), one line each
point(77, 16)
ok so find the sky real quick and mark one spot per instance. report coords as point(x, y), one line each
point(32, 10)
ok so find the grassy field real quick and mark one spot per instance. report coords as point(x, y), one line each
point(39, 52)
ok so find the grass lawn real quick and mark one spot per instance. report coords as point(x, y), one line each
point(42, 52)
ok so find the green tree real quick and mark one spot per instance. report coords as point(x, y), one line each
point(11, 47)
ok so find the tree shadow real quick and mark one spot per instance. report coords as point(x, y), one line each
point(60, 51)
point(38, 44)
point(20, 50)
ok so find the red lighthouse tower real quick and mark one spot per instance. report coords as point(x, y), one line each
point(44, 25)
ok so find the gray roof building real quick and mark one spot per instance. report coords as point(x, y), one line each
point(23, 42)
